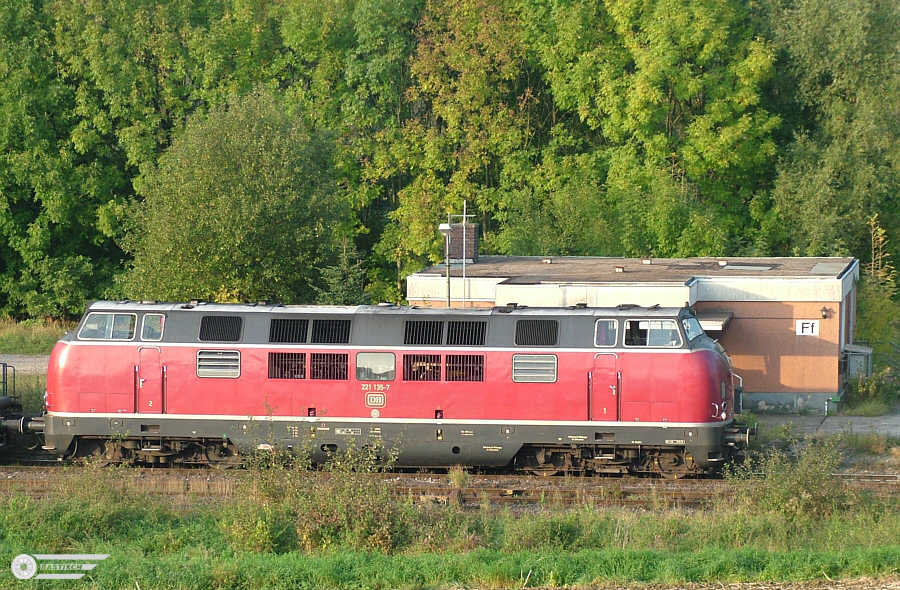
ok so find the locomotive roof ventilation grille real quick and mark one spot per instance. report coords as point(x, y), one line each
point(466, 333)
point(288, 330)
point(537, 332)
point(423, 332)
point(220, 328)
point(330, 332)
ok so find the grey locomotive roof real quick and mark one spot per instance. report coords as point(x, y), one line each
point(387, 310)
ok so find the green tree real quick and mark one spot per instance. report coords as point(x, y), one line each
point(844, 162)
point(879, 312)
point(344, 283)
point(242, 206)
point(55, 250)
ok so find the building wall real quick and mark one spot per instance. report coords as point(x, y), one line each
point(762, 342)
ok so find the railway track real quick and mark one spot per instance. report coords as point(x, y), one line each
point(185, 488)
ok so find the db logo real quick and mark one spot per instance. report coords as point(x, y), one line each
point(375, 400)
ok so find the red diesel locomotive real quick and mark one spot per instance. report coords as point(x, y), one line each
point(590, 390)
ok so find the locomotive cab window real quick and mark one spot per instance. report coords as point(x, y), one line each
point(375, 366)
point(606, 332)
point(657, 333)
point(152, 326)
point(108, 326)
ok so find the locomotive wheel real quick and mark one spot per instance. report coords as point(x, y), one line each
point(671, 466)
point(223, 456)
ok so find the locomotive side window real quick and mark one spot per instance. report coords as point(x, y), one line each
point(534, 368)
point(152, 326)
point(606, 332)
point(659, 333)
point(465, 367)
point(219, 363)
point(324, 365)
point(536, 332)
point(287, 365)
point(108, 326)
point(375, 366)
point(423, 332)
point(220, 328)
point(421, 367)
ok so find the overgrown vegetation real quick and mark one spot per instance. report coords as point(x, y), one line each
point(33, 336)
point(289, 527)
point(665, 128)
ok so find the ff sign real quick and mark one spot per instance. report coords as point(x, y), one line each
point(807, 327)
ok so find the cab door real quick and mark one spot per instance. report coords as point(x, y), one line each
point(149, 381)
point(604, 387)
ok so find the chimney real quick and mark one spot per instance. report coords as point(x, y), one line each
point(460, 251)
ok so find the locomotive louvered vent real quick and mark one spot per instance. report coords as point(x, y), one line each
point(288, 330)
point(465, 367)
point(328, 365)
point(219, 363)
point(220, 328)
point(536, 332)
point(331, 331)
point(423, 332)
point(287, 365)
point(534, 368)
point(466, 333)
point(422, 367)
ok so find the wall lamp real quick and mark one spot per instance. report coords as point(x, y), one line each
point(825, 313)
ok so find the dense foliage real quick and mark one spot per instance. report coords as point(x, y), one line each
point(660, 127)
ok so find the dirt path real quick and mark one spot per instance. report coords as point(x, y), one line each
point(27, 364)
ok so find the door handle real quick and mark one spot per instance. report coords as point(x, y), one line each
point(612, 389)
point(141, 382)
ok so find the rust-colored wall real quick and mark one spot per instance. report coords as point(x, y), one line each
point(761, 340)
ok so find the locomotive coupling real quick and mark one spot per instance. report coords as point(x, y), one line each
point(739, 435)
point(23, 425)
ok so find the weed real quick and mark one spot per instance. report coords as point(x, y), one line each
point(34, 336)
point(872, 396)
point(459, 477)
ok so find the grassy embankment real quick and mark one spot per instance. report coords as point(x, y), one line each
point(30, 336)
point(293, 528)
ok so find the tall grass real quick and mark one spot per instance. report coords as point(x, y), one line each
point(338, 527)
point(34, 336)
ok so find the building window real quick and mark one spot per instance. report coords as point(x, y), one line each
point(465, 367)
point(108, 326)
point(152, 327)
point(287, 365)
point(466, 333)
point(291, 331)
point(421, 367)
point(219, 363)
point(328, 366)
point(331, 331)
point(220, 328)
point(606, 332)
point(536, 332)
point(658, 333)
point(375, 366)
point(534, 368)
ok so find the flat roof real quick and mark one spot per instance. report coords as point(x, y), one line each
point(529, 270)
